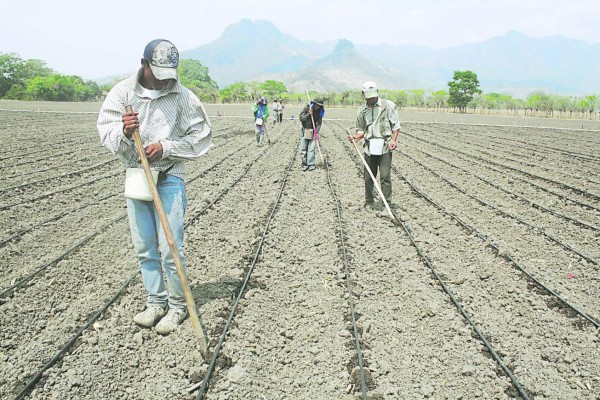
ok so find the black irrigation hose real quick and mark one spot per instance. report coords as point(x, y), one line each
point(529, 182)
point(496, 247)
point(71, 249)
point(71, 341)
point(561, 184)
point(217, 350)
point(363, 382)
point(479, 148)
point(526, 146)
point(463, 312)
point(33, 199)
point(67, 174)
point(498, 210)
point(48, 168)
point(522, 198)
point(51, 219)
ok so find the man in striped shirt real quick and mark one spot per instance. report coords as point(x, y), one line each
point(174, 128)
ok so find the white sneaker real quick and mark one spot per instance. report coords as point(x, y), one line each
point(149, 316)
point(171, 321)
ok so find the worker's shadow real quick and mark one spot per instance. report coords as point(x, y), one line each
point(225, 288)
point(204, 293)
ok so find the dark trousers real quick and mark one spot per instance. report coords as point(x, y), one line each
point(384, 164)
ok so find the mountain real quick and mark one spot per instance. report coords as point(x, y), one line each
point(343, 68)
point(513, 63)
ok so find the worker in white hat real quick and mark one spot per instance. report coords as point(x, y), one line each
point(378, 124)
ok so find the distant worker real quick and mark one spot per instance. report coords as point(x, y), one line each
point(261, 112)
point(174, 127)
point(275, 110)
point(313, 111)
point(280, 112)
point(378, 124)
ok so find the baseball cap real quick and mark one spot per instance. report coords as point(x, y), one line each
point(369, 89)
point(163, 58)
point(318, 101)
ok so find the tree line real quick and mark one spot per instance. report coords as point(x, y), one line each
point(33, 80)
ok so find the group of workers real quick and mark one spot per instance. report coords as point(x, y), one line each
point(174, 128)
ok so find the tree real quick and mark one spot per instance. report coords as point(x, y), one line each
point(235, 93)
point(194, 76)
point(15, 71)
point(463, 86)
point(272, 89)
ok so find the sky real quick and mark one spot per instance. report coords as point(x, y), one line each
point(95, 39)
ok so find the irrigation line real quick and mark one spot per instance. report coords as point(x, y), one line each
point(217, 350)
point(363, 382)
point(33, 199)
point(529, 182)
point(67, 174)
point(71, 341)
point(522, 198)
point(56, 217)
point(496, 247)
point(562, 184)
point(465, 315)
point(462, 311)
point(530, 147)
point(37, 160)
point(38, 171)
point(501, 212)
point(60, 257)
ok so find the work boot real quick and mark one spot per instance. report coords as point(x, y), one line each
point(149, 316)
point(171, 321)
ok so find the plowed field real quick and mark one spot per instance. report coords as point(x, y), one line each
point(485, 286)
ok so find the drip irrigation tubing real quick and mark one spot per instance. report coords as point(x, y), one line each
point(48, 194)
point(211, 367)
point(561, 184)
point(77, 245)
point(501, 212)
point(31, 383)
point(357, 345)
point(460, 308)
point(60, 257)
point(546, 190)
point(514, 194)
point(486, 239)
point(51, 219)
point(65, 175)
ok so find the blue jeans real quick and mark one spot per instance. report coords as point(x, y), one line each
point(307, 150)
point(149, 242)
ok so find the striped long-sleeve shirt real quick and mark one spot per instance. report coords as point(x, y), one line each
point(174, 117)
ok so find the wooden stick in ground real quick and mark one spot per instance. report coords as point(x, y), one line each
point(315, 129)
point(387, 207)
point(170, 240)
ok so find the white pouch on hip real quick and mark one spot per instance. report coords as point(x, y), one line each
point(376, 146)
point(259, 121)
point(136, 184)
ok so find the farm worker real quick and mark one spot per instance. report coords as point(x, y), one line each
point(261, 112)
point(280, 113)
point(275, 109)
point(378, 124)
point(174, 127)
point(313, 111)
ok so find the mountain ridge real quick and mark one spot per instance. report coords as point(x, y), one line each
point(512, 63)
